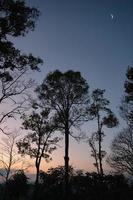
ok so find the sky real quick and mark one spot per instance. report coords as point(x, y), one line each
point(94, 37)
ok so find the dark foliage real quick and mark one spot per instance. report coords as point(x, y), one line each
point(121, 157)
point(126, 107)
point(16, 187)
point(129, 85)
point(16, 20)
point(87, 186)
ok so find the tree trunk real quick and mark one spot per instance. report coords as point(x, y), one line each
point(7, 175)
point(100, 146)
point(37, 175)
point(100, 155)
point(35, 191)
point(66, 158)
point(97, 164)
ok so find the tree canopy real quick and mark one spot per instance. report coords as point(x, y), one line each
point(126, 107)
point(16, 20)
point(121, 157)
point(66, 94)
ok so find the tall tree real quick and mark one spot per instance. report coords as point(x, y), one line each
point(67, 96)
point(129, 84)
point(127, 102)
point(99, 110)
point(16, 20)
point(121, 157)
point(41, 142)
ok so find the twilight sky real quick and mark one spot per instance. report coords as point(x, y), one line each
point(91, 36)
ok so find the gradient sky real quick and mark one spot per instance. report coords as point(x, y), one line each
point(81, 35)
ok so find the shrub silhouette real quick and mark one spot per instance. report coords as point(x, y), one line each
point(17, 186)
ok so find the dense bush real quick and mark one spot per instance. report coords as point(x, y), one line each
point(16, 187)
point(86, 186)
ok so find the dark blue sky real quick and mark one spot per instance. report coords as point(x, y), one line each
point(81, 35)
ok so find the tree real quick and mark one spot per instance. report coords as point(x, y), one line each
point(9, 158)
point(16, 20)
point(127, 102)
point(40, 143)
point(8, 155)
point(57, 174)
point(55, 177)
point(66, 94)
point(121, 157)
point(104, 117)
point(129, 84)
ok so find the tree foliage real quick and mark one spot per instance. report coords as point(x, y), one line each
point(129, 84)
point(17, 186)
point(127, 102)
point(121, 157)
point(16, 20)
point(67, 95)
point(87, 186)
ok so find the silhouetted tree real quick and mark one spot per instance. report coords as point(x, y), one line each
point(41, 142)
point(67, 96)
point(127, 102)
point(57, 174)
point(8, 155)
point(16, 20)
point(9, 158)
point(121, 157)
point(129, 84)
point(52, 182)
point(87, 186)
point(103, 115)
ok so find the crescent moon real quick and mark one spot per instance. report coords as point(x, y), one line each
point(112, 16)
